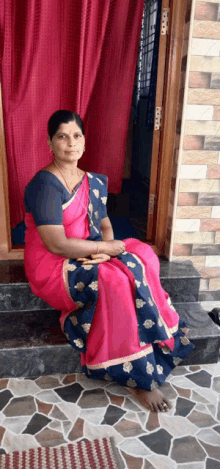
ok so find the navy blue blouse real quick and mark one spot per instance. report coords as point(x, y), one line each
point(44, 196)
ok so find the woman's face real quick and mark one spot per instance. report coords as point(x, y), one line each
point(68, 143)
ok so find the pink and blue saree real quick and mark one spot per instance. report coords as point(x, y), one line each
point(115, 313)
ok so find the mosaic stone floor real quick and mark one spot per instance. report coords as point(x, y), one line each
point(55, 410)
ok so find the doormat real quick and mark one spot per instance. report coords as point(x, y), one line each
point(85, 454)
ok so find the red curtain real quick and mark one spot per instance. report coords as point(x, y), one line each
point(71, 54)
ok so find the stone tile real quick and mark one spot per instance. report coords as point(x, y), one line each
point(187, 449)
point(208, 394)
point(95, 416)
point(182, 382)
point(142, 417)
point(213, 451)
point(24, 387)
point(43, 408)
point(133, 416)
point(116, 400)
point(160, 462)
point(183, 392)
point(36, 424)
point(212, 143)
point(2, 451)
point(206, 249)
point(2, 431)
point(201, 408)
point(132, 462)
point(93, 398)
point(207, 29)
point(20, 406)
point(193, 465)
point(206, 46)
point(216, 428)
point(134, 446)
point(209, 436)
point(177, 426)
point(3, 383)
point(127, 428)
point(69, 379)
point(199, 112)
point(5, 396)
point(202, 238)
point(199, 80)
point(187, 224)
point(158, 441)
point(57, 414)
point(10, 443)
point(201, 419)
point(153, 422)
point(216, 211)
point(214, 284)
point(218, 411)
point(97, 431)
point(193, 142)
point(216, 384)
point(212, 464)
point(202, 378)
point(56, 425)
point(77, 430)
point(16, 425)
point(206, 11)
point(148, 465)
point(47, 382)
point(70, 410)
point(207, 128)
point(48, 396)
point(49, 438)
point(196, 185)
point(215, 81)
point(213, 172)
point(168, 390)
point(216, 113)
point(66, 427)
point(182, 249)
point(88, 383)
point(117, 389)
point(211, 409)
point(194, 368)
point(130, 405)
point(210, 272)
point(183, 406)
point(194, 212)
point(205, 64)
point(70, 393)
point(187, 198)
point(212, 261)
point(112, 415)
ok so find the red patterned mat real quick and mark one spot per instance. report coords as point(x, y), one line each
point(97, 454)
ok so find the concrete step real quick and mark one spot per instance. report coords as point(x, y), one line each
point(32, 343)
point(179, 279)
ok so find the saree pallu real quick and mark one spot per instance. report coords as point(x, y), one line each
point(115, 313)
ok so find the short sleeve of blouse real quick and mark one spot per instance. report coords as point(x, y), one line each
point(43, 198)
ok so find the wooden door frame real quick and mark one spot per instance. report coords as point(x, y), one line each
point(169, 120)
point(167, 141)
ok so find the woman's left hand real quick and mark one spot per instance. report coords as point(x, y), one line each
point(95, 259)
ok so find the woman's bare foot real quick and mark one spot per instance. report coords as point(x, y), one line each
point(155, 401)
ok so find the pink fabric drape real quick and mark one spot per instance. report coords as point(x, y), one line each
point(73, 54)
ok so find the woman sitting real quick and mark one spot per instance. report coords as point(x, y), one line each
point(114, 310)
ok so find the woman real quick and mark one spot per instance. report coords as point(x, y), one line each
point(114, 309)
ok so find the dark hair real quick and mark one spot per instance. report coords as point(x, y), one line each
point(63, 117)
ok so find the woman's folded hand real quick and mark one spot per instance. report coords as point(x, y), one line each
point(114, 248)
point(95, 259)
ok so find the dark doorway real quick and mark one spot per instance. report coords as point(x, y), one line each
point(128, 210)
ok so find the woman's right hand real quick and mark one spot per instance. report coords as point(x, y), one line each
point(114, 247)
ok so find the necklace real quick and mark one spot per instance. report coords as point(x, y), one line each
point(61, 172)
point(71, 191)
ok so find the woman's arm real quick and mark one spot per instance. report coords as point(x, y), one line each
point(54, 238)
point(106, 229)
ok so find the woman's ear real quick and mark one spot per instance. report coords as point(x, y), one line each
point(49, 143)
